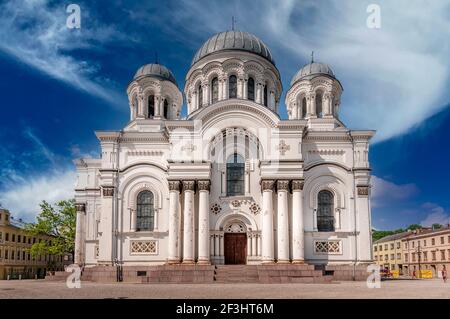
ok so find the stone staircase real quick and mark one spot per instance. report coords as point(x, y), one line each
point(288, 273)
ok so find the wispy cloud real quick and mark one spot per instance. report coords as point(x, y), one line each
point(385, 192)
point(34, 32)
point(435, 215)
point(395, 77)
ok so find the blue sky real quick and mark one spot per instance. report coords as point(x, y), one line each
point(58, 85)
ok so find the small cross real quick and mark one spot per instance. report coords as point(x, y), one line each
point(283, 147)
point(233, 21)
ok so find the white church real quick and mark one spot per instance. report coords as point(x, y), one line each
point(231, 182)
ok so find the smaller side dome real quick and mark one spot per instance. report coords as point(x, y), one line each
point(312, 69)
point(155, 70)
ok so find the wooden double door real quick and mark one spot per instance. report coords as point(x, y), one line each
point(235, 245)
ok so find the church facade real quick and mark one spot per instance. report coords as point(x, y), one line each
point(231, 182)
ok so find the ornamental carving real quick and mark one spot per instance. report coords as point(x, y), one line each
point(235, 203)
point(174, 186)
point(108, 191)
point(255, 209)
point(327, 247)
point(203, 185)
point(235, 228)
point(283, 185)
point(267, 185)
point(297, 185)
point(80, 207)
point(215, 209)
point(283, 147)
point(363, 190)
point(189, 185)
point(144, 247)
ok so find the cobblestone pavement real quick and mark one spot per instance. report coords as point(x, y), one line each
point(389, 289)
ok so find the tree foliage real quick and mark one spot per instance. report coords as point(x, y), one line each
point(378, 234)
point(57, 221)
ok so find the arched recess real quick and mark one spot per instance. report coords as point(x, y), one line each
point(236, 217)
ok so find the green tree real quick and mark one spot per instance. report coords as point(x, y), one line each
point(414, 227)
point(436, 226)
point(59, 222)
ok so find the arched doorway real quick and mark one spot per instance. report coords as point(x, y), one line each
point(235, 243)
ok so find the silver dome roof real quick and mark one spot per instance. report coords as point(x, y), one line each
point(312, 69)
point(155, 70)
point(233, 40)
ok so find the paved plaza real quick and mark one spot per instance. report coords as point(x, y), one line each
point(432, 288)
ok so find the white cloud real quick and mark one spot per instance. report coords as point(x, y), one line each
point(435, 215)
point(23, 196)
point(384, 192)
point(394, 77)
point(35, 33)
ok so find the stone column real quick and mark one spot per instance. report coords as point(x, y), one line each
point(249, 244)
point(240, 88)
point(133, 219)
point(216, 245)
point(188, 231)
point(81, 210)
point(140, 106)
point(203, 222)
point(254, 240)
point(106, 226)
point(158, 99)
point(298, 242)
point(245, 96)
point(205, 95)
point(211, 244)
point(258, 93)
point(221, 242)
point(267, 221)
point(283, 221)
point(174, 220)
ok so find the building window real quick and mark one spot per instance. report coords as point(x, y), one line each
point(386, 257)
point(325, 216)
point(375, 248)
point(413, 257)
point(166, 109)
point(406, 257)
point(385, 246)
point(235, 175)
point(19, 238)
point(6, 253)
point(442, 254)
point(145, 211)
point(381, 247)
point(265, 95)
point(425, 256)
point(412, 244)
point(215, 90)
point(1, 236)
point(442, 240)
point(433, 255)
point(392, 245)
point(432, 241)
point(151, 106)
point(200, 95)
point(399, 256)
point(319, 111)
point(251, 89)
point(392, 257)
point(232, 87)
point(24, 239)
point(398, 245)
point(23, 255)
point(424, 242)
point(303, 108)
point(13, 238)
point(6, 236)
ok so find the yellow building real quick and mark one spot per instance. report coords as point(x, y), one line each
point(15, 259)
point(388, 252)
point(428, 250)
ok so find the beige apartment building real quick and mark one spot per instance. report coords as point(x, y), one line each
point(15, 259)
point(388, 252)
point(427, 250)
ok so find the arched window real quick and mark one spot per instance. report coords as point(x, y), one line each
point(319, 104)
point(214, 90)
point(303, 108)
point(200, 96)
point(235, 175)
point(166, 109)
point(232, 87)
point(265, 95)
point(151, 106)
point(145, 211)
point(325, 215)
point(251, 89)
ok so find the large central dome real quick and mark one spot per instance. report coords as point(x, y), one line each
point(233, 40)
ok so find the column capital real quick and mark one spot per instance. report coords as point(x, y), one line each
point(174, 186)
point(363, 190)
point(283, 185)
point(189, 186)
point(80, 207)
point(267, 184)
point(203, 185)
point(297, 185)
point(108, 191)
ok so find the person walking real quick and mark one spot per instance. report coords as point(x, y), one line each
point(444, 273)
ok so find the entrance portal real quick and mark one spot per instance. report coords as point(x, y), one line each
point(235, 248)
